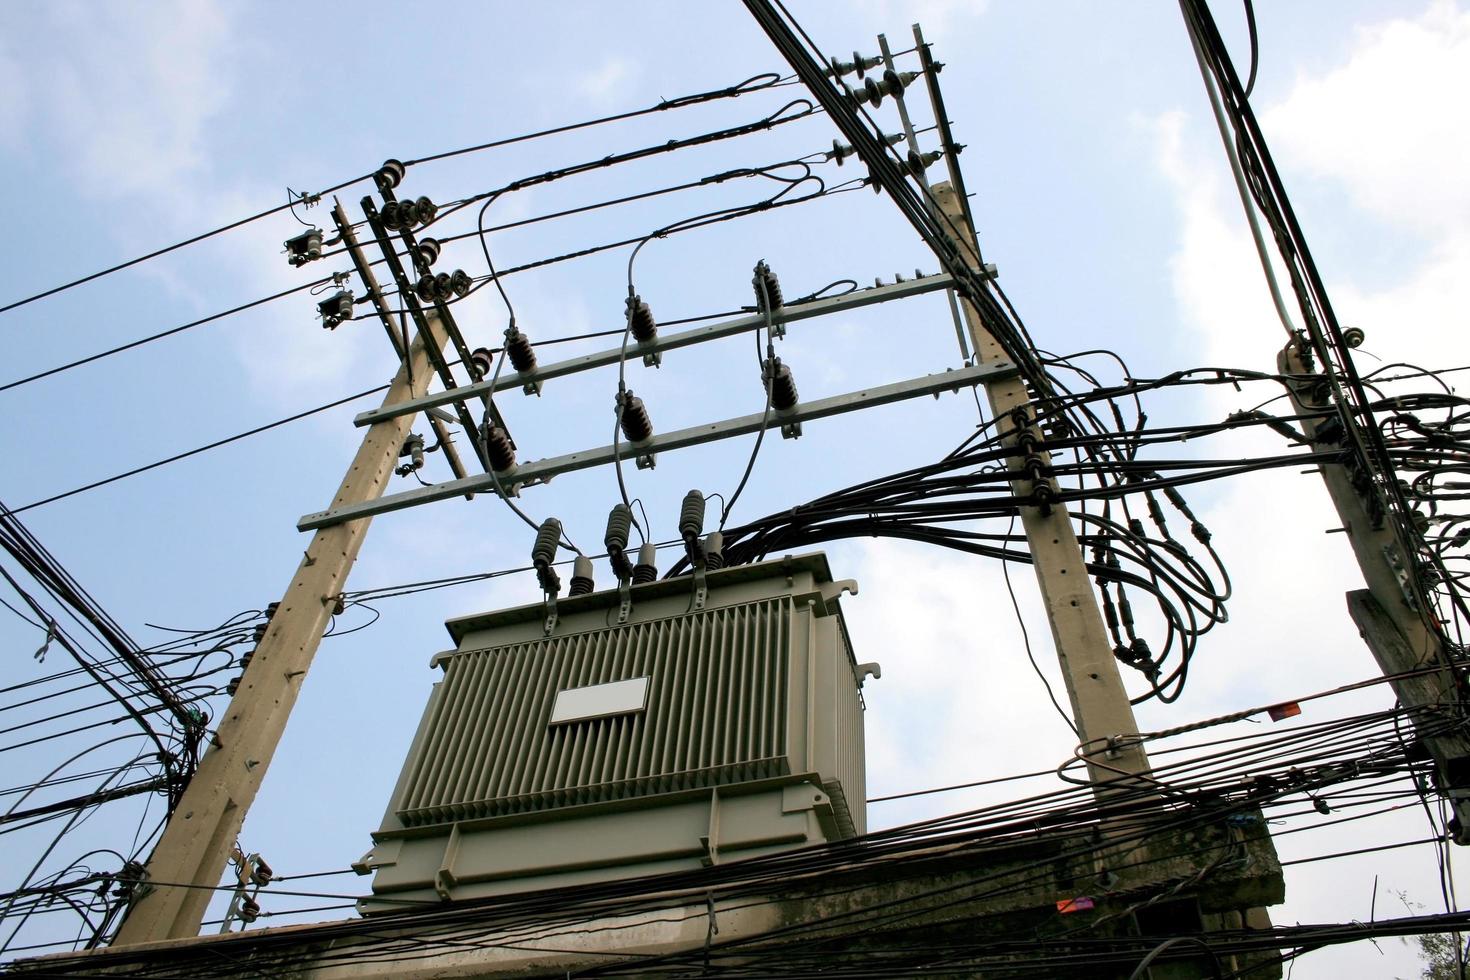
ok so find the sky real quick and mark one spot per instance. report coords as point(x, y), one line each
point(1100, 191)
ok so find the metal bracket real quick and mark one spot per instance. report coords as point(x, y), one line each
point(625, 597)
point(701, 586)
point(1400, 574)
point(550, 613)
point(532, 470)
point(647, 461)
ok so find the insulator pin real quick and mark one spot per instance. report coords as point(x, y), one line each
point(780, 384)
point(581, 576)
point(518, 347)
point(641, 321)
point(647, 568)
point(498, 447)
point(635, 423)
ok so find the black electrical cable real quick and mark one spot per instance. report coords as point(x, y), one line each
point(755, 83)
point(201, 449)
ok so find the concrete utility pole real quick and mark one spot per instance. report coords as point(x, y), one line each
point(1389, 613)
point(1099, 701)
point(196, 844)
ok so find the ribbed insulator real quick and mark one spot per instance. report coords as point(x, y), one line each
point(482, 362)
point(691, 515)
point(425, 209)
point(714, 550)
point(637, 426)
point(518, 347)
point(442, 287)
point(424, 289)
point(548, 535)
point(427, 252)
point(461, 283)
point(619, 526)
point(389, 175)
point(647, 568)
point(641, 321)
point(781, 385)
point(581, 576)
point(767, 288)
point(498, 447)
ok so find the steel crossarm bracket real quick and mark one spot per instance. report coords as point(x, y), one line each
point(544, 469)
point(685, 338)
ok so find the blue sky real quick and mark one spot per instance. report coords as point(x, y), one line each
point(1100, 191)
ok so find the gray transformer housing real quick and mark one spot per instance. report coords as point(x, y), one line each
point(680, 738)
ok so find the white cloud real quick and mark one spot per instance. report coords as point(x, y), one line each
point(133, 89)
point(936, 17)
point(1392, 123)
point(608, 82)
point(15, 101)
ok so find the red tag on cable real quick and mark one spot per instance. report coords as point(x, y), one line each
point(1081, 903)
point(1288, 710)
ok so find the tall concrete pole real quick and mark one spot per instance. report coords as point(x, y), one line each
point(191, 856)
point(1095, 689)
point(1390, 614)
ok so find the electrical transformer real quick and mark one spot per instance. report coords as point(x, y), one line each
point(658, 727)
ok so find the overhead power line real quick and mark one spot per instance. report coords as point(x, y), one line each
point(755, 83)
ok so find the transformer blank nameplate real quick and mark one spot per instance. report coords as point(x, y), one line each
point(599, 701)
